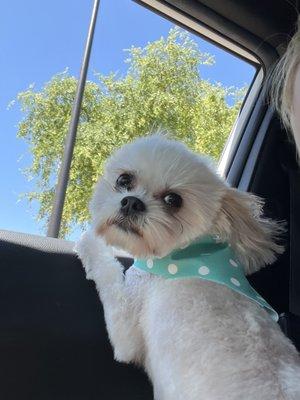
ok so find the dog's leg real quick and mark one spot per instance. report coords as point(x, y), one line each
point(120, 311)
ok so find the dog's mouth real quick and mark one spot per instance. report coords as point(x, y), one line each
point(126, 224)
point(128, 227)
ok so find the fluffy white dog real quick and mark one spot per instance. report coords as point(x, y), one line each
point(196, 339)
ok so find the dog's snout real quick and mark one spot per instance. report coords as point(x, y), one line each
point(132, 205)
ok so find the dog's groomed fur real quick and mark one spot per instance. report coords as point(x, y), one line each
point(196, 339)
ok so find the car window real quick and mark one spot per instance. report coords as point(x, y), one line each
point(145, 74)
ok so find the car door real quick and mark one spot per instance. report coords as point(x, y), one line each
point(52, 331)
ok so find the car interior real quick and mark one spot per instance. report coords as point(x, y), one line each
point(53, 341)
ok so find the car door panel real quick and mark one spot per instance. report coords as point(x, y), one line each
point(53, 341)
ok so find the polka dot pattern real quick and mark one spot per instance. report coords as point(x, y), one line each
point(203, 270)
point(150, 263)
point(172, 268)
point(233, 263)
point(235, 281)
point(210, 259)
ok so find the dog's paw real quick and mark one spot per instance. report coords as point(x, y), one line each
point(90, 248)
point(98, 259)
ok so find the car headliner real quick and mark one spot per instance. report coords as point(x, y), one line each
point(256, 22)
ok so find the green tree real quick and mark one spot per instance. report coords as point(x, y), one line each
point(162, 88)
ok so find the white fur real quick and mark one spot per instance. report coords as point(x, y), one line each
point(196, 339)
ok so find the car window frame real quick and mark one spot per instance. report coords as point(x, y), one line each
point(226, 163)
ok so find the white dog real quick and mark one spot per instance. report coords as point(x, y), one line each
point(196, 338)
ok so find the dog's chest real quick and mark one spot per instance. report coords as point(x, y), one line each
point(182, 302)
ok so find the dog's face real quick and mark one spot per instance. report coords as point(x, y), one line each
point(156, 196)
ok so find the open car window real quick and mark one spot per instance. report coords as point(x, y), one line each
point(145, 74)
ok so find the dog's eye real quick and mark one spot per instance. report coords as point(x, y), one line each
point(125, 181)
point(173, 200)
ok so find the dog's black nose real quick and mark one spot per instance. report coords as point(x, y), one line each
point(132, 205)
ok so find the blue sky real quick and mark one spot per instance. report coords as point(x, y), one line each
point(40, 39)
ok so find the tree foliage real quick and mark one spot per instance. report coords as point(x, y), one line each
point(162, 88)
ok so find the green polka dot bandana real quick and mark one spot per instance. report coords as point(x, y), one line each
point(207, 259)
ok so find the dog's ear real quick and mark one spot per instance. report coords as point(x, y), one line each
point(251, 236)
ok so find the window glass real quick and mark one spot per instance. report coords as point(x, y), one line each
point(38, 40)
point(145, 74)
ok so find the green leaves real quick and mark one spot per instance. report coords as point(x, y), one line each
point(162, 89)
